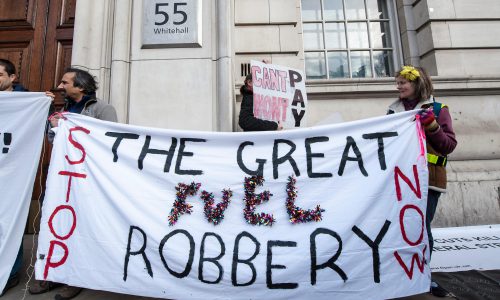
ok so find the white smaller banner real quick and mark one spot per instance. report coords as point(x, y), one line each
point(279, 94)
point(466, 248)
point(22, 121)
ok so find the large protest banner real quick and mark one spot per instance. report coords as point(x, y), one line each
point(279, 94)
point(22, 122)
point(323, 212)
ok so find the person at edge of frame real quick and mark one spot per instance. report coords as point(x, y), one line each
point(79, 90)
point(415, 91)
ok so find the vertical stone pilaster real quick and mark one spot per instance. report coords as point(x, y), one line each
point(92, 41)
point(223, 81)
point(408, 32)
point(120, 59)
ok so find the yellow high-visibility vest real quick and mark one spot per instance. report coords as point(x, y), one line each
point(436, 159)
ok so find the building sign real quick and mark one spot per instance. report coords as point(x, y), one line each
point(169, 24)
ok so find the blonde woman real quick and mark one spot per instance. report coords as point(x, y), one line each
point(415, 91)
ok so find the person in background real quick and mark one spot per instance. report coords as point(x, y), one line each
point(247, 120)
point(8, 77)
point(79, 90)
point(415, 92)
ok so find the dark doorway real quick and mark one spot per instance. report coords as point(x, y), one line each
point(37, 36)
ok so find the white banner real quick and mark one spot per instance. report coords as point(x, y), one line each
point(466, 248)
point(279, 94)
point(22, 122)
point(324, 212)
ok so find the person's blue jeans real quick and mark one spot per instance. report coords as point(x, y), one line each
point(432, 202)
point(18, 263)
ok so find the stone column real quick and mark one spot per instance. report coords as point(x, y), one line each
point(224, 78)
point(120, 59)
point(92, 41)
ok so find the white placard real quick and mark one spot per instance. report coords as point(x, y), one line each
point(279, 94)
point(466, 248)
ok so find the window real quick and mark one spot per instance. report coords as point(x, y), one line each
point(347, 39)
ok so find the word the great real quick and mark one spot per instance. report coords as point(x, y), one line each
point(178, 148)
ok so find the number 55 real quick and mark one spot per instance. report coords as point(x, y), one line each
point(164, 14)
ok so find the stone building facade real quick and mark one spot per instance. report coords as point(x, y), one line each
point(349, 50)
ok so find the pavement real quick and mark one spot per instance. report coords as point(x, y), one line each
point(21, 291)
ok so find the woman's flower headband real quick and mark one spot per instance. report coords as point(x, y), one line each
point(410, 73)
